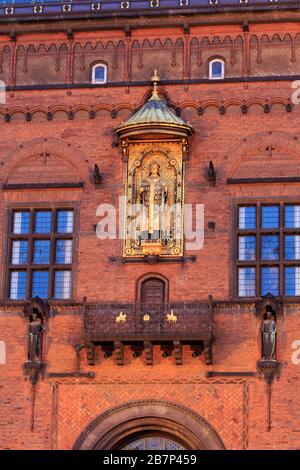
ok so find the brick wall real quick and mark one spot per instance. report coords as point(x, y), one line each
point(52, 59)
point(236, 142)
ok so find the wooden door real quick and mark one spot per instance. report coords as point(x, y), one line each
point(153, 292)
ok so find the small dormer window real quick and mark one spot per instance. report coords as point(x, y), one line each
point(99, 73)
point(216, 69)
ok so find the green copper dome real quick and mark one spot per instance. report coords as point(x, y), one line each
point(155, 115)
point(155, 111)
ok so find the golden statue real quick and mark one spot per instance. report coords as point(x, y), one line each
point(171, 318)
point(121, 318)
point(153, 193)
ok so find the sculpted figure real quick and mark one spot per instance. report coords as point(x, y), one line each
point(97, 175)
point(268, 337)
point(153, 195)
point(35, 337)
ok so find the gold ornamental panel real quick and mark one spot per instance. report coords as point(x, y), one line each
point(154, 198)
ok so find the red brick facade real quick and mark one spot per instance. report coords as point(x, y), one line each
point(235, 121)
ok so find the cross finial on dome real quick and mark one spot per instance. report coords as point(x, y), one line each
point(155, 80)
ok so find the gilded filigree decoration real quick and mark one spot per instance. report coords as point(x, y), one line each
point(121, 318)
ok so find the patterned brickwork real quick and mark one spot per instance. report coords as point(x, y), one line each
point(220, 404)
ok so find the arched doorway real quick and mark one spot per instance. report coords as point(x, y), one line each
point(150, 424)
point(153, 291)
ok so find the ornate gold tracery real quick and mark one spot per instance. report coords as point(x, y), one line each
point(141, 156)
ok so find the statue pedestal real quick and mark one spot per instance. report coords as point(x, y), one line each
point(268, 369)
point(151, 248)
point(34, 370)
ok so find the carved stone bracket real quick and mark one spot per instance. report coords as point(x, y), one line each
point(268, 369)
point(148, 347)
point(208, 353)
point(178, 352)
point(34, 370)
point(119, 352)
point(90, 352)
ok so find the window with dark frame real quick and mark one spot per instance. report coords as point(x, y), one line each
point(40, 253)
point(268, 250)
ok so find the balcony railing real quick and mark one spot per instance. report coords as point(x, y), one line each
point(183, 321)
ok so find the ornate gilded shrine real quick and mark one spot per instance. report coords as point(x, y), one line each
point(154, 142)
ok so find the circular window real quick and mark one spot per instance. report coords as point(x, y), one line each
point(153, 443)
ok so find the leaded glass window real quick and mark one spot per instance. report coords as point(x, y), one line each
point(268, 250)
point(153, 443)
point(41, 254)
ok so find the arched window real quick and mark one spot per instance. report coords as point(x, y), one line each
point(153, 442)
point(99, 73)
point(216, 69)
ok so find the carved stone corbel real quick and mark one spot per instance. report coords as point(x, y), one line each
point(34, 370)
point(208, 352)
point(90, 352)
point(148, 348)
point(268, 369)
point(178, 352)
point(119, 352)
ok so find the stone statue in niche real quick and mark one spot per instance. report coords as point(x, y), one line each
point(35, 338)
point(153, 194)
point(269, 336)
point(96, 175)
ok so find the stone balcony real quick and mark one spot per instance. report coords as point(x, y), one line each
point(114, 326)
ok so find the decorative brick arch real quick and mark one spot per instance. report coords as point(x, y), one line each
point(72, 154)
point(284, 142)
point(115, 427)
